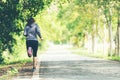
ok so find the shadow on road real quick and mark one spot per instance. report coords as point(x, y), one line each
point(79, 70)
point(26, 71)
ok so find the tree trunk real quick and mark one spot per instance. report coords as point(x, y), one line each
point(117, 38)
point(105, 47)
point(119, 28)
point(110, 39)
point(109, 23)
point(93, 39)
point(118, 50)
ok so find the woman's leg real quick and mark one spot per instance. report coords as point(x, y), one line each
point(35, 48)
point(28, 45)
point(34, 62)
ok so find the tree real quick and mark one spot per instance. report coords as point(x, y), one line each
point(117, 37)
point(108, 7)
point(13, 15)
point(79, 17)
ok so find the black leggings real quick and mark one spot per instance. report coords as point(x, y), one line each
point(34, 45)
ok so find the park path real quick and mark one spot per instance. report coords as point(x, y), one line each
point(58, 63)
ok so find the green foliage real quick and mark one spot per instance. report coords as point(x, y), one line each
point(13, 15)
point(51, 28)
point(79, 16)
point(30, 8)
point(78, 19)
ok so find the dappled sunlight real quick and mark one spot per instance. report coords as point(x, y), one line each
point(86, 69)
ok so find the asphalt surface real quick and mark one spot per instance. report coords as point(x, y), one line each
point(58, 63)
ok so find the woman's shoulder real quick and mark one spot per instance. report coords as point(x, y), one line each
point(35, 24)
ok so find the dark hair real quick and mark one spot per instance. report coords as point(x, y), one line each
point(30, 21)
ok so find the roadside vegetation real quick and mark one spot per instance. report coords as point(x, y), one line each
point(85, 52)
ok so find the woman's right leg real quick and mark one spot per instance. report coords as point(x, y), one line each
point(34, 62)
point(35, 48)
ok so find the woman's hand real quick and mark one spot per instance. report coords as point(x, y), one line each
point(41, 38)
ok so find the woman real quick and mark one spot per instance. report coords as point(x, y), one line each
point(31, 31)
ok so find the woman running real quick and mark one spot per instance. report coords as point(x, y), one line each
point(31, 31)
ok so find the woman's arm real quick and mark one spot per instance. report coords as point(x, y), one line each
point(38, 32)
point(25, 31)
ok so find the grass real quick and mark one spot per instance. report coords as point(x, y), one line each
point(115, 58)
point(14, 63)
point(85, 52)
point(10, 69)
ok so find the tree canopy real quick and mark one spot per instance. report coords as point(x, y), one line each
point(13, 15)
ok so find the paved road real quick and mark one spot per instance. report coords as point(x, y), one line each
point(60, 64)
